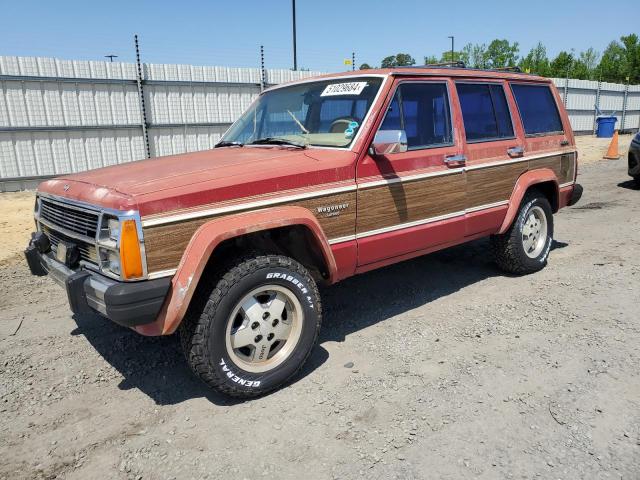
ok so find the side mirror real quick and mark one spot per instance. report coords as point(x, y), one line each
point(389, 141)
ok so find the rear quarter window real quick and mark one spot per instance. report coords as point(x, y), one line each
point(538, 109)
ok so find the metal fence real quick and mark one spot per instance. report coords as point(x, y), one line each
point(64, 116)
point(580, 97)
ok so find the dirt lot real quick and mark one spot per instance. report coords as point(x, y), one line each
point(439, 367)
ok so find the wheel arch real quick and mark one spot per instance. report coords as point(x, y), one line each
point(213, 241)
point(544, 180)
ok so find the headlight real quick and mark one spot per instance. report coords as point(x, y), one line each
point(120, 249)
point(113, 229)
point(110, 261)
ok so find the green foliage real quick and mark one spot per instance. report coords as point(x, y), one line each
point(619, 63)
point(475, 56)
point(501, 53)
point(585, 67)
point(621, 60)
point(365, 66)
point(398, 60)
point(457, 56)
point(536, 61)
point(561, 65)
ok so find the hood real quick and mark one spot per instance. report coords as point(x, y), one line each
point(208, 176)
point(163, 173)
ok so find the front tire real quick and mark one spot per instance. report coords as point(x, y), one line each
point(256, 327)
point(524, 248)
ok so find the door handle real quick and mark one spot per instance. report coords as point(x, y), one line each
point(515, 152)
point(453, 161)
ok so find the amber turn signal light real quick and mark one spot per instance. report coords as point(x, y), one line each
point(130, 258)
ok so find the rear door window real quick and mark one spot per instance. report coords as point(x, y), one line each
point(485, 112)
point(422, 111)
point(538, 109)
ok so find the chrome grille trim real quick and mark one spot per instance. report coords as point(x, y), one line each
point(83, 214)
point(79, 221)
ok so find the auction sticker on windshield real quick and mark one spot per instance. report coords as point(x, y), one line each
point(351, 88)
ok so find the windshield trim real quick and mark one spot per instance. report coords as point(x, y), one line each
point(383, 85)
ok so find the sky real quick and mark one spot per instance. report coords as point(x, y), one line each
point(230, 32)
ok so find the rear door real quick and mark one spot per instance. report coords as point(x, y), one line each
point(494, 151)
point(548, 138)
point(411, 201)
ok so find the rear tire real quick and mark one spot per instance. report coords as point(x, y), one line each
point(253, 330)
point(524, 248)
point(636, 179)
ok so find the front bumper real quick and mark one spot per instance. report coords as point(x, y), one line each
point(634, 159)
point(127, 304)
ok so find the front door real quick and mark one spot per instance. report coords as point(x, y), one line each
point(409, 202)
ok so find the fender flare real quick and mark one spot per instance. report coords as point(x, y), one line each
point(524, 182)
point(205, 240)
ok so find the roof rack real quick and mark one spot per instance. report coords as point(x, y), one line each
point(456, 64)
point(507, 69)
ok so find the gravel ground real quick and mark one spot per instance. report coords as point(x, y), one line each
point(439, 367)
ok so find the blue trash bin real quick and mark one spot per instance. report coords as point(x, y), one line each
point(606, 126)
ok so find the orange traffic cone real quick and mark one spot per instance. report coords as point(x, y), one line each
point(612, 153)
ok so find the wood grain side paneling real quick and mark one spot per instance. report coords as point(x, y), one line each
point(391, 204)
point(552, 163)
point(165, 244)
point(492, 184)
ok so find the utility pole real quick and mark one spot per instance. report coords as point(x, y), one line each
point(111, 57)
point(295, 54)
point(263, 73)
point(143, 110)
point(353, 60)
point(452, 49)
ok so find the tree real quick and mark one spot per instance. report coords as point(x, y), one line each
point(457, 57)
point(475, 55)
point(430, 59)
point(365, 66)
point(611, 62)
point(501, 53)
point(398, 60)
point(621, 60)
point(562, 65)
point(536, 61)
point(584, 67)
point(631, 70)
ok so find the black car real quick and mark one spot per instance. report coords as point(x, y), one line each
point(634, 159)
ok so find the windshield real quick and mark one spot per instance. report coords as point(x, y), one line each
point(325, 113)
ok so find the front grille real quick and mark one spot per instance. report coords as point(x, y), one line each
point(88, 251)
point(80, 221)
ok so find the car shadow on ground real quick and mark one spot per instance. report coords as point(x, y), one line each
point(157, 367)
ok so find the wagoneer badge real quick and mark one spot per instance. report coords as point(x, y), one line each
point(333, 210)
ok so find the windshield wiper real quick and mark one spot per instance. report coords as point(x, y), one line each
point(277, 141)
point(226, 143)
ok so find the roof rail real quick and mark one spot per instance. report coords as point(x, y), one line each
point(456, 64)
point(508, 69)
